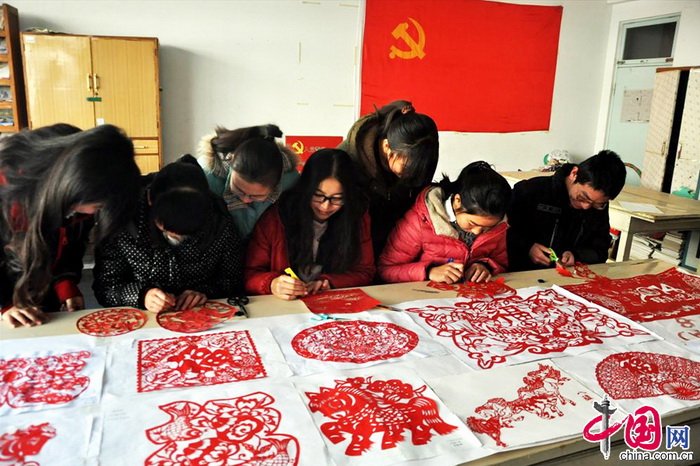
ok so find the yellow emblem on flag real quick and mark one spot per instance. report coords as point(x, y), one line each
point(416, 46)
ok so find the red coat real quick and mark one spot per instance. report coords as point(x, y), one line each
point(267, 256)
point(424, 238)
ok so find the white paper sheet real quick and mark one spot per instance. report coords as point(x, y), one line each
point(367, 339)
point(640, 207)
point(31, 369)
point(681, 331)
point(122, 366)
point(505, 331)
point(662, 368)
point(517, 406)
point(60, 437)
point(248, 423)
point(383, 415)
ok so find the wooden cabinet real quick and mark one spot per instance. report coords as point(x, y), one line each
point(93, 80)
point(13, 112)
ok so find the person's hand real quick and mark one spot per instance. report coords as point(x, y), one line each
point(19, 317)
point(539, 254)
point(189, 299)
point(318, 285)
point(76, 303)
point(288, 288)
point(477, 273)
point(157, 300)
point(567, 259)
point(447, 273)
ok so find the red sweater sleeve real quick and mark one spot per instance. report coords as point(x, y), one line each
point(363, 272)
point(266, 245)
point(398, 262)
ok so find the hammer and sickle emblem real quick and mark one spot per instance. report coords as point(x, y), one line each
point(298, 147)
point(401, 32)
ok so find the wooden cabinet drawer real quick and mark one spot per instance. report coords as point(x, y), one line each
point(148, 163)
point(145, 146)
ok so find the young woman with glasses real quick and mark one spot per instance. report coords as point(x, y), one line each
point(248, 169)
point(320, 229)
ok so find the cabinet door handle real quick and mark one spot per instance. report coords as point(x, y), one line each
point(140, 147)
point(89, 82)
point(96, 81)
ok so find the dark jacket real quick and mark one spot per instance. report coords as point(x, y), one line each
point(210, 261)
point(389, 199)
point(540, 212)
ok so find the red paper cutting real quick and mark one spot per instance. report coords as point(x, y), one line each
point(473, 290)
point(43, 380)
point(540, 396)
point(492, 331)
point(15, 447)
point(110, 322)
point(645, 298)
point(197, 319)
point(228, 431)
point(634, 375)
point(340, 302)
point(198, 360)
point(582, 270)
point(354, 341)
point(360, 407)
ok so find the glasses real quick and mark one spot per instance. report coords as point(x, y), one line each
point(584, 199)
point(242, 194)
point(334, 200)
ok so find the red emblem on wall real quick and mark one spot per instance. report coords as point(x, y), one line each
point(340, 301)
point(197, 319)
point(198, 360)
point(492, 331)
point(356, 341)
point(540, 396)
point(645, 297)
point(634, 374)
point(15, 447)
point(361, 407)
point(228, 431)
point(110, 322)
point(43, 380)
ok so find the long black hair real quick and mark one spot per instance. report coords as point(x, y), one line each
point(252, 152)
point(45, 176)
point(413, 136)
point(483, 191)
point(340, 245)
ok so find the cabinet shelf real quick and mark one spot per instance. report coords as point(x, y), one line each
point(15, 108)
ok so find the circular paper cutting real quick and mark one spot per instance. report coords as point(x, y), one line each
point(197, 319)
point(354, 341)
point(110, 322)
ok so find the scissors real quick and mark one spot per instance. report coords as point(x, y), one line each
point(239, 302)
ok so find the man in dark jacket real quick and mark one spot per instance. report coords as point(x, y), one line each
point(182, 249)
point(567, 213)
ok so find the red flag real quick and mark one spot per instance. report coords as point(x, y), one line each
point(473, 66)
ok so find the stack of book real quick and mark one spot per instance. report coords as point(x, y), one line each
point(666, 246)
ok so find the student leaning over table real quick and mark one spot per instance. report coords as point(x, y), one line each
point(452, 226)
point(567, 212)
point(55, 183)
point(180, 250)
point(395, 151)
point(248, 169)
point(320, 228)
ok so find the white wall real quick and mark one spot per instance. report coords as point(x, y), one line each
point(236, 63)
point(687, 51)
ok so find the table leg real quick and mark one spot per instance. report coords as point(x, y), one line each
point(624, 246)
